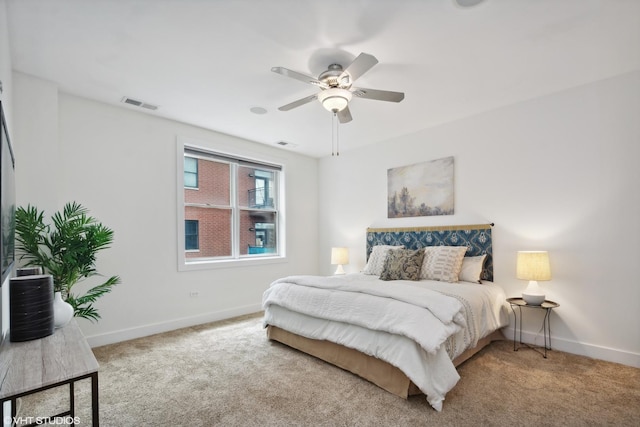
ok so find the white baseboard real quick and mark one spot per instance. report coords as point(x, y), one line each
point(156, 328)
point(589, 350)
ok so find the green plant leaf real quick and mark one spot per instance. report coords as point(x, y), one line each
point(66, 249)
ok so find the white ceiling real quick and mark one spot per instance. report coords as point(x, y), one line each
point(208, 63)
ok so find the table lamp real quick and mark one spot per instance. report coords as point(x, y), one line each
point(340, 256)
point(533, 266)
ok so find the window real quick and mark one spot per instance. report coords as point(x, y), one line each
point(261, 194)
point(231, 208)
point(191, 230)
point(190, 172)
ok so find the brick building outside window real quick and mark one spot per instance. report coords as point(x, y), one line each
point(230, 207)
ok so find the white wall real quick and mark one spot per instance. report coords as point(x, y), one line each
point(121, 164)
point(557, 173)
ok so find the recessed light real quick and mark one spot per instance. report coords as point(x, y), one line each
point(258, 110)
point(286, 144)
point(468, 3)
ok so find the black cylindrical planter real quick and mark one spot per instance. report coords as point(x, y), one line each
point(28, 271)
point(30, 307)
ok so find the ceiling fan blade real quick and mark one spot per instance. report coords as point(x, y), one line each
point(299, 76)
point(358, 67)
point(344, 116)
point(378, 95)
point(298, 103)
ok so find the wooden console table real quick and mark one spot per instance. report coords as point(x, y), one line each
point(32, 366)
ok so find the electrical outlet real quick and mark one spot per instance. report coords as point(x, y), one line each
point(193, 294)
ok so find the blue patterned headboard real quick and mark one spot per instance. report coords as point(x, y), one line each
point(477, 239)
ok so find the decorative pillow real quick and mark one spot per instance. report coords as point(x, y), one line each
point(442, 263)
point(472, 268)
point(402, 264)
point(376, 259)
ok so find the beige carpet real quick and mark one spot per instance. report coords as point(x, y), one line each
point(228, 374)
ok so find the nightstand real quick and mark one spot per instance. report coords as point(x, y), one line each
point(546, 327)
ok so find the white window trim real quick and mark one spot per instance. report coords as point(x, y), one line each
point(242, 261)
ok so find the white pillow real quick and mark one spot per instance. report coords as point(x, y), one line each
point(442, 263)
point(376, 259)
point(471, 268)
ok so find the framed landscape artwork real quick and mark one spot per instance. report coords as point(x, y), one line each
point(422, 189)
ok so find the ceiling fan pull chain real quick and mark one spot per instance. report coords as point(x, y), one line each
point(337, 134)
point(333, 133)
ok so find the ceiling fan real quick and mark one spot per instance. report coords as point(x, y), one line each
point(336, 87)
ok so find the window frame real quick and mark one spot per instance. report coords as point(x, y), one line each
point(185, 264)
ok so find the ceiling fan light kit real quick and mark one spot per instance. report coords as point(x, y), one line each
point(334, 99)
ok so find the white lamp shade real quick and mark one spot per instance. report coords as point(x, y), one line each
point(340, 256)
point(533, 265)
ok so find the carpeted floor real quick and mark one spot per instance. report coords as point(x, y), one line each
point(228, 374)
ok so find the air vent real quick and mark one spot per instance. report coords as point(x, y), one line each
point(137, 103)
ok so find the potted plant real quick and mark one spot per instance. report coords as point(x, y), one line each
point(66, 250)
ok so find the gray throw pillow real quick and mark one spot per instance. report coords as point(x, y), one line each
point(402, 264)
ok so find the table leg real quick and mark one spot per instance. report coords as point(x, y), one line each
point(14, 409)
point(72, 400)
point(95, 412)
point(520, 327)
point(13, 412)
point(547, 332)
point(517, 327)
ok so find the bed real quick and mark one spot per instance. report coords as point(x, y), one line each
point(424, 303)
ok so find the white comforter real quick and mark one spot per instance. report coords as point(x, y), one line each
point(387, 319)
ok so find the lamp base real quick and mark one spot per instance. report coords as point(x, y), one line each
point(340, 270)
point(533, 299)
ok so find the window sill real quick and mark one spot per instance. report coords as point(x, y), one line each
point(231, 263)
